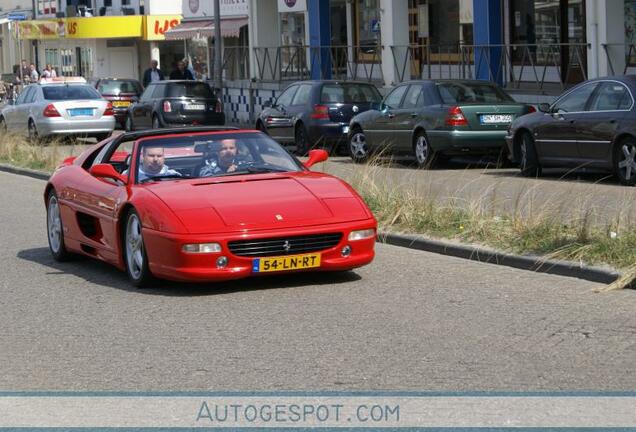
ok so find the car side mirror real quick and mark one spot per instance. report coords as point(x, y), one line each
point(316, 156)
point(107, 171)
point(268, 104)
point(544, 107)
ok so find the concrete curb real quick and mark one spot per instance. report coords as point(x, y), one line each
point(41, 175)
point(476, 253)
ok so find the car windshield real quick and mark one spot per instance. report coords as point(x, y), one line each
point(349, 93)
point(462, 92)
point(194, 89)
point(211, 155)
point(70, 92)
point(115, 87)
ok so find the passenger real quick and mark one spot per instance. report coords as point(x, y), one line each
point(181, 73)
point(228, 160)
point(153, 164)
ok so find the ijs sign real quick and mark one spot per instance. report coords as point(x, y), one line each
point(157, 26)
point(292, 5)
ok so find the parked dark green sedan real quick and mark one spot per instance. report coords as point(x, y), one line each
point(436, 117)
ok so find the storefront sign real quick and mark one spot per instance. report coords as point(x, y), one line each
point(83, 28)
point(205, 8)
point(40, 29)
point(157, 25)
point(292, 5)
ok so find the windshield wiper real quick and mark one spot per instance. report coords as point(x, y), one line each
point(263, 169)
point(162, 177)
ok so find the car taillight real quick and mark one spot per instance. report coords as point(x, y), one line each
point(321, 112)
point(456, 117)
point(219, 106)
point(51, 111)
point(109, 110)
point(531, 109)
point(167, 107)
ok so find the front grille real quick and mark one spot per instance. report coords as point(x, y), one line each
point(284, 245)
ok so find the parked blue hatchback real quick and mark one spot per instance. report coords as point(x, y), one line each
point(316, 113)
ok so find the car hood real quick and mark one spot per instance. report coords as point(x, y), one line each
point(260, 202)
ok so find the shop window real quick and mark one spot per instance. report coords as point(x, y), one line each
point(198, 56)
point(367, 30)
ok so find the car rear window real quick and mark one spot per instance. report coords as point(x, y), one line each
point(116, 87)
point(458, 92)
point(195, 89)
point(349, 93)
point(70, 92)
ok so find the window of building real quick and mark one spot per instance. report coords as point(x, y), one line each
point(51, 57)
point(367, 30)
point(46, 7)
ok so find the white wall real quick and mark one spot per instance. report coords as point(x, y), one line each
point(166, 7)
point(9, 5)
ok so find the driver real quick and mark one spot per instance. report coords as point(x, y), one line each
point(153, 164)
point(227, 162)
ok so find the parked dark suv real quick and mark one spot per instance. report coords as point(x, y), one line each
point(175, 103)
point(311, 113)
point(121, 93)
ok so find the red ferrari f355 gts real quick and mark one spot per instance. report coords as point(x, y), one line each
point(205, 204)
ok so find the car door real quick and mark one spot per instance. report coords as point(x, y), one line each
point(300, 108)
point(406, 116)
point(380, 133)
point(556, 135)
point(21, 113)
point(279, 122)
point(597, 127)
point(142, 110)
point(10, 113)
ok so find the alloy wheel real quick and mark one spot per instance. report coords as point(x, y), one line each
point(421, 150)
point(358, 146)
point(54, 225)
point(134, 247)
point(627, 162)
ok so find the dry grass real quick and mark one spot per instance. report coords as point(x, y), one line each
point(532, 224)
point(17, 150)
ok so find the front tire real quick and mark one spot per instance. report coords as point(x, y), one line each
point(33, 132)
point(528, 160)
point(135, 255)
point(625, 161)
point(357, 146)
point(55, 229)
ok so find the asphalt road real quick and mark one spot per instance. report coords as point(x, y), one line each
point(410, 321)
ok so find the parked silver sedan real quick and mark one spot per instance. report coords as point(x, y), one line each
point(59, 109)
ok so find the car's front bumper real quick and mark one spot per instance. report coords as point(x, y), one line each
point(467, 141)
point(168, 261)
point(62, 126)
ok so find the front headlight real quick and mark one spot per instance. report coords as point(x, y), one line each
point(361, 234)
point(201, 248)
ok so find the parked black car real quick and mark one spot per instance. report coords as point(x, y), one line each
point(121, 92)
point(175, 103)
point(592, 125)
point(311, 113)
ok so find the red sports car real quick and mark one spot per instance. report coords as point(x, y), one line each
point(205, 204)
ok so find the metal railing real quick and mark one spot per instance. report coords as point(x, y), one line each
point(616, 50)
point(300, 62)
point(515, 65)
point(235, 62)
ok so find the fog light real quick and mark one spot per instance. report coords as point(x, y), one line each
point(202, 248)
point(221, 262)
point(346, 251)
point(361, 234)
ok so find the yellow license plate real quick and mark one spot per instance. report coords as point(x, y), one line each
point(284, 263)
point(121, 103)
